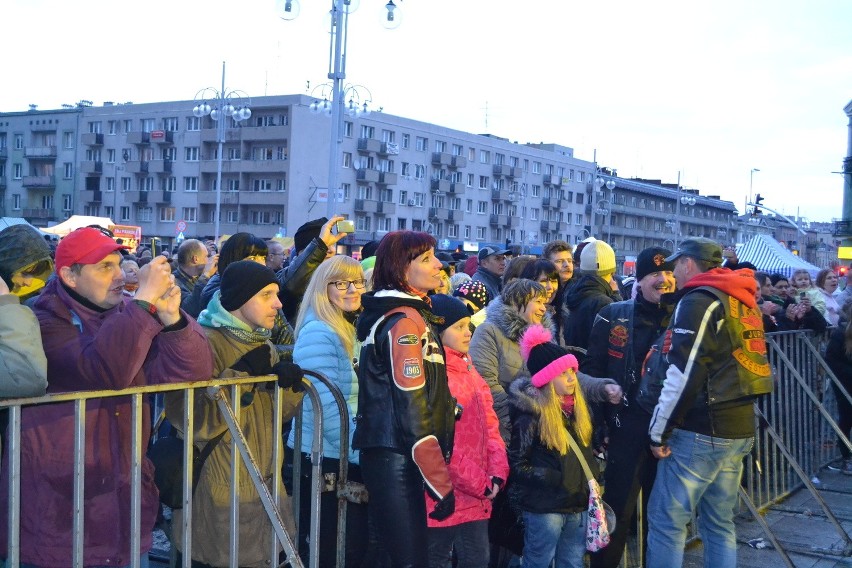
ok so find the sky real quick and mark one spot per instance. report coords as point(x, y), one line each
point(704, 91)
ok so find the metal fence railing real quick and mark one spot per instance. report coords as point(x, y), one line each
point(268, 490)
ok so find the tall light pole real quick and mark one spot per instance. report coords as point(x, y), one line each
point(340, 10)
point(225, 109)
point(751, 182)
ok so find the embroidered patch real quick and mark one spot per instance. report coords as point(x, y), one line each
point(659, 259)
point(618, 336)
point(667, 342)
point(407, 339)
point(411, 368)
point(682, 331)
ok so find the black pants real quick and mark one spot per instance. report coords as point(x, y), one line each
point(356, 518)
point(397, 505)
point(844, 420)
point(630, 466)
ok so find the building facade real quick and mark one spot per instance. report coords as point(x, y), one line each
point(155, 165)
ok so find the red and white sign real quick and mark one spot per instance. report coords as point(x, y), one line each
point(158, 134)
point(181, 226)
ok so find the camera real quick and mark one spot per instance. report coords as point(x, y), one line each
point(345, 226)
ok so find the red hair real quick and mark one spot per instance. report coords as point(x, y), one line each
point(396, 251)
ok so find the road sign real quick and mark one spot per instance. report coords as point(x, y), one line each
point(181, 226)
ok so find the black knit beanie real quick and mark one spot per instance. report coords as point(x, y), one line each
point(653, 259)
point(449, 308)
point(308, 232)
point(242, 280)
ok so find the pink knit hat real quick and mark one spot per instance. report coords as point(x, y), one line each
point(545, 360)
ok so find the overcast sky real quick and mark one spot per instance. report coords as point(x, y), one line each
point(707, 89)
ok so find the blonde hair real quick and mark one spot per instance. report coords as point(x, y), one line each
point(316, 299)
point(552, 433)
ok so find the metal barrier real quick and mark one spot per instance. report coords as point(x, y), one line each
point(240, 453)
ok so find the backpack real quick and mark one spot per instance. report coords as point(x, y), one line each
point(167, 456)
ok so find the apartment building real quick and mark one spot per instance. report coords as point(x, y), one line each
point(156, 165)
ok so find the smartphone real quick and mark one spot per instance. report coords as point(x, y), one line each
point(801, 295)
point(345, 226)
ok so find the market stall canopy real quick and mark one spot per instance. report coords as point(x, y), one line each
point(77, 221)
point(768, 255)
point(9, 221)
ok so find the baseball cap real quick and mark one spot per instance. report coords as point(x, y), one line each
point(700, 248)
point(485, 252)
point(84, 246)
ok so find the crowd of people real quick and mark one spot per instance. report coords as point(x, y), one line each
point(472, 385)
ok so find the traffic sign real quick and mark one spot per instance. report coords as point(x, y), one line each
point(181, 226)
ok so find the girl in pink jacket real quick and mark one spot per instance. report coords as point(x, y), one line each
point(479, 467)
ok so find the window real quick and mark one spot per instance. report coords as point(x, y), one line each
point(482, 207)
point(422, 144)
point(347, 159)
point(16, 201)
point(125, 184)
point(388, 136)
point(403, 197)
point(533, 214)
point(128, 127)
point(169, 154)
point(383, 224)
point(367, 131)
point(124, 213)
point(470, 178)
point(191, 153)
point(193, 123)
point(92, 210)
point(111, 156)
point(419, 199)
point(262, 153)
point(347, 129)
point(466, 232)
point(95, 127)
point(167, 213)
point(406, 169)
point(401, 224)
point(480, 233)
point(281, 185)
point(535, 190)
point(452, 231)
point(548, 169)
point(265, 120)
point(233, 185)
point(168, 184)
point(112, 127)
point(468, 208)
point(262, 185)
point(190, 214)
point(145, 184)
point(232, 216)
point(483, 182)
point(365, 192)
point(484, 157)
point(17, 171)
point(362, 223)
point(536, 169)
point(109, 210)
point(148, 124)
point(499, 159)
point(233, 153)
point(110, 184)
point(419, 171)
point(19, 141)
point(406, 141)
point(458, 149)
point(261, 217)
point(170, 123)
point(68, 139)
point(68, 168)
point(66, 202)
point(440, 146)
point(347, 190)
point(93, 155)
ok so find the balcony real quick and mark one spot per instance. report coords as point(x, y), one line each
point(92, 167)
point(91, 196)
point(458, 162)
point(226, 198)
point(264, 133)
point(260, 166)
point(2, 183)
point(548, 226)
point(92, 138)
point(160, 166)
point(366, 175)
point(136, 167)
point(260, 197)
point(388, 178)
point(496, 220)
point(552, 180)
point(501, 170)
point(231, 134)
point(136, 197)
point(440, 185)
point(500, 195)
point(4, 153)
point(162, 137)
point(366, 206)
point(389, 149)
point(457, 188)
point(554, 202)
point(40, 152)
point(455, 216)
point(439, 213)
point(442, 158)
point(368, 145)
point(139, 138)
point(228, 166)
point(39, 182)
point(163, 197)
point(385, 208)
point(510, 222)
point(38, 213)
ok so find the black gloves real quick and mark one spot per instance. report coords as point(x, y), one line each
point(444, 508)
point(289, 375)
point(496, 485)
point(256, 362)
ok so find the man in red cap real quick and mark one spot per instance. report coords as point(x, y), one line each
point(95, 339)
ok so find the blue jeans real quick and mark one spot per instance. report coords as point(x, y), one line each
point(554, 535)
point(703, 475)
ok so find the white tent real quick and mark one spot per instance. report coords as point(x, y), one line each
point(77, 221)
point(768, 255)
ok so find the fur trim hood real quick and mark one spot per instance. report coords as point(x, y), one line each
point(510, 321)
point(525, 397)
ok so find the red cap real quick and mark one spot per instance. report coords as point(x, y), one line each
point(84, 246)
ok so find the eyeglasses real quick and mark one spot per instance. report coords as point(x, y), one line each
point(343, 285)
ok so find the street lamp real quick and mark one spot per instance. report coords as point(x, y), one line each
point(339, 32)
point(751, 181)
point(229, 104)
point(603, 206)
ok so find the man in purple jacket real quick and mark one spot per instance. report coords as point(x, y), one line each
point(96, 339)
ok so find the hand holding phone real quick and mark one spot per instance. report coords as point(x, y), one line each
point(345, 226)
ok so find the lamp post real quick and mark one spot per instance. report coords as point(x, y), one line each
point(225, 108)
point(681, 198)
point(339, 32)
point(751, 182)
point(602, 206)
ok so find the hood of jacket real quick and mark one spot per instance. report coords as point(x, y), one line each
point(20, 246)
point(737, 283)
point(589, 285)
point(509, 320)
point(525, 397)
point(377, 304)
